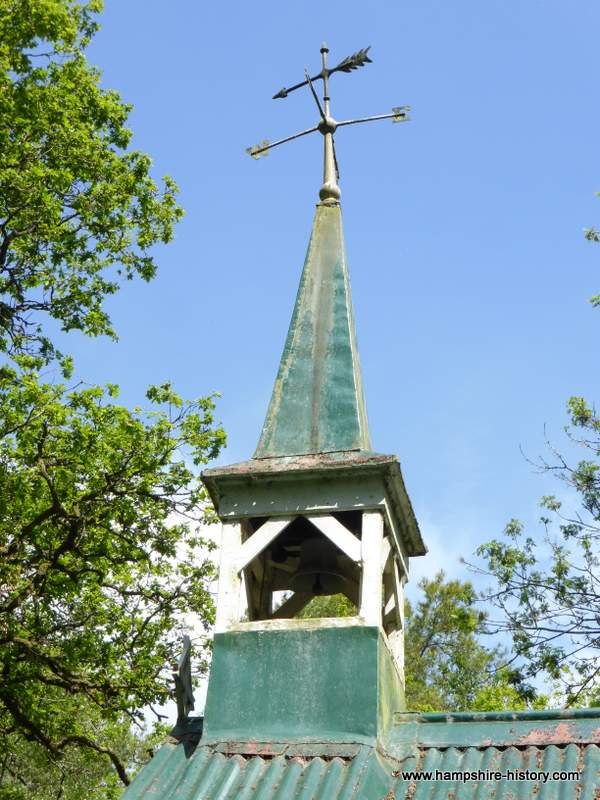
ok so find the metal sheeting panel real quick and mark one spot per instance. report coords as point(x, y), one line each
point(208, 775)
point(573, 757)
point(317, 405)
point(177, 773)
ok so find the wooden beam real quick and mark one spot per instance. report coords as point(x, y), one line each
point(400, 549)
point(398, 594)
point(228, 597)
point(372, 584)
point(386, 549)
point(260, 539)
point(292, 606)
point(339, 535)
point(396, 645)
point(390, 605)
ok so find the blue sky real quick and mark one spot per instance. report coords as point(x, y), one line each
point(464, 227)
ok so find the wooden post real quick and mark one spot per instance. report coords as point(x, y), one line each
point(371, 551)
point(396, 644)
point(228, 597)
point(396, 637)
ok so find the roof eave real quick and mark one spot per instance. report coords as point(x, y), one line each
point(339, 464)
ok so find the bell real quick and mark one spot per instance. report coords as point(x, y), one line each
point(318, 572)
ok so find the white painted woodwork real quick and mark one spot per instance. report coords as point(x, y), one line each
point(339, 535)
point(399, 594)
point(395, 532)
point(228, 597)
point(396, 645)
point(371, 584)
point(249, 584)
point(258, 593)
point(390, 605)
point(386, 549)
point(300, 624)
point(260, 539)
point(291, 496)
point(292, 606)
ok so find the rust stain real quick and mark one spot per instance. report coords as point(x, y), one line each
point(563, 732)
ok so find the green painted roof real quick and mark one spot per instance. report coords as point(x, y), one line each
point(317, 404)
point(186, 770)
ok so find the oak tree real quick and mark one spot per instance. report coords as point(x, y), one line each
point(100, 505)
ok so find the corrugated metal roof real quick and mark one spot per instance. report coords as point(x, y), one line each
point(182, 771)
point(209, 775)
point(572, 757)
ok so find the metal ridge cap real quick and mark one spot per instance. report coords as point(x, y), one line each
point(310, 747)
point(497, 729)
point(529, 715)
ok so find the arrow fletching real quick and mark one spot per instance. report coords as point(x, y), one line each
point(400, 114)
point(354, 61)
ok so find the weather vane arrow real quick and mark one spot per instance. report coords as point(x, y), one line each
point(327, 125)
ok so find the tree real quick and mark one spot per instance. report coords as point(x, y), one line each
point(447, 668)
point(549, 591)
point(592, 235)
point(98, 561)
point(28, 770)
point(334, 605)
point(78, 210)
point(99, 505)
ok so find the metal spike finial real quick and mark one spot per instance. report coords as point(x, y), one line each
point(329, 192)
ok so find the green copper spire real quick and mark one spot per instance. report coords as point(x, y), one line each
point(317, 404)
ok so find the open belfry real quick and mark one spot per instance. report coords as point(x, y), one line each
point(313, 708)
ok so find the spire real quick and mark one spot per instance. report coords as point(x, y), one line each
point(317, 404)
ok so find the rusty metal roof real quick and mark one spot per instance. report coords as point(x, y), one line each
point(317, 404)
point(548, 741)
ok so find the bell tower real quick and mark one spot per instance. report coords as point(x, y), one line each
point(314, 512)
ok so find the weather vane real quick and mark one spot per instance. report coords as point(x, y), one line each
point(327, 125)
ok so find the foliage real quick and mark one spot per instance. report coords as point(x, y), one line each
point(99, 505)
point(335, 605)
point(28, 770)
point(447, 668)
point(78, 211)
point(592, 235)
point(98, 560)
point(549, 591)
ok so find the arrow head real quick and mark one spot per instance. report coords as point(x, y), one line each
point(258, 150)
